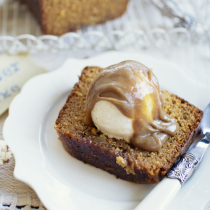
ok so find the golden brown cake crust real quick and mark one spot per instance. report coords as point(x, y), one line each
point(88, 144)
point(61, 16)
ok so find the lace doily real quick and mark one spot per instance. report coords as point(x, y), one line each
point(13, 193)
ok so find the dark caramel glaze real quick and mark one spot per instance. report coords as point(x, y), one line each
point(134, 90)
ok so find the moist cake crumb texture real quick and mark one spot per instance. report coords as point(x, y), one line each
point(88, 144)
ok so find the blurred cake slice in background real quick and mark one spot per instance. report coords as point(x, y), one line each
point(57, 17)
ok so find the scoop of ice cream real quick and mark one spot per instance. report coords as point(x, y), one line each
point(125, 102)
point(110, 120)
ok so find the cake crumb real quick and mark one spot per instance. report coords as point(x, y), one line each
point(122, 162)
point(94, 131)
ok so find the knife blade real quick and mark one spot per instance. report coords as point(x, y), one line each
point(180, 172)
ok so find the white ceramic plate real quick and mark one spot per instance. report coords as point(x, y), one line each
point(63, 182)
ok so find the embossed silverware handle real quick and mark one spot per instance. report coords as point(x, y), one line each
point(184, 168)
point(161, 195)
